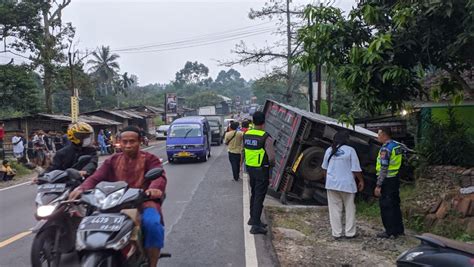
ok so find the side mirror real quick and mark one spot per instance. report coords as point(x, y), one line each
point(153, 174)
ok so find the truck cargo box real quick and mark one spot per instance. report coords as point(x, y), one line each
point(301, 139)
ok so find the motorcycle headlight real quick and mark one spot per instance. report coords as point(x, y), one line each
point(46, 210)
point(109, 201)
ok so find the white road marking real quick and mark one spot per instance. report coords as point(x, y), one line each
point(13, 186)
point(250, 250)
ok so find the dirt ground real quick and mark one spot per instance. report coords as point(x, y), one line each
point(313, 245)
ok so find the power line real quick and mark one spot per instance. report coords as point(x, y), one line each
point(197, 37)
point(198, 43)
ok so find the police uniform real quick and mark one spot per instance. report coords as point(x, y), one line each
point(258, 168)
point(389, 161)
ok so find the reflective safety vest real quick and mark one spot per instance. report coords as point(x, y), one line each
point(390, 154)
point(254, 147)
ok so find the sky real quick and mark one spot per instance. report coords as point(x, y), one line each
point(169, 33)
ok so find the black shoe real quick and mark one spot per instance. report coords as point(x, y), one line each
point(352, 237)
point(257, 230)
point(261, 224)
point(383, 235)
point(337, 238)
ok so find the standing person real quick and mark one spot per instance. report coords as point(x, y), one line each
point(341, 164)
point(130, 167)
point(30, 149)
point(233, 140)
point(58, 142)
point(259, 156)
point(389, 161)
point(18, 147)
point(101, 139)
point(2, 135)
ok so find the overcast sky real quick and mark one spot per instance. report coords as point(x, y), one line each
point(208, 30)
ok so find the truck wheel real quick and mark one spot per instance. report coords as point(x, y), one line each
point(310, 165)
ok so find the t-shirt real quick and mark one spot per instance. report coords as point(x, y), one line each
point(339, 169)
point(17, 148)
point(236, 144)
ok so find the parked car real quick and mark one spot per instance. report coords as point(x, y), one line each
point(161, 132)
point(189, 138)
point(216, 131)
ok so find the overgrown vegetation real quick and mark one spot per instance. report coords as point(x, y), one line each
point(446, 143)
point(20, 169)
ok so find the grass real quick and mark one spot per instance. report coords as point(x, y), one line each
point(450, 228)
point(20, 169)
point(281, 217)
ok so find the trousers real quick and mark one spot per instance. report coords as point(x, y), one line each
point(234, 159)
point(337, 202)
point(259, 181)
point(389, 203)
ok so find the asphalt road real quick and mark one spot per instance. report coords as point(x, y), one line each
point(203, 218)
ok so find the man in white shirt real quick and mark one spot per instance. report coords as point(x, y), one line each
point(18, 147)
point(341, 164)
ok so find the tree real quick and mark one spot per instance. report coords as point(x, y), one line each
point(104, 68)
point(282, 51)
point(230, 83)
point(193, 73)
point(381, 51)
point(202, 99)
point(20, 92)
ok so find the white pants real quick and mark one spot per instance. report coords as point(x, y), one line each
point(337, 201)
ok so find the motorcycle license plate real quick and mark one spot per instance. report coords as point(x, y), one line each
point(51, 188)
point(101, 223)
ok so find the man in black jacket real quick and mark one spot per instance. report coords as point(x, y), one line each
point(81, 135)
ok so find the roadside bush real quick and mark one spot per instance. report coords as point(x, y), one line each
point(446, 143)
point(20, 169)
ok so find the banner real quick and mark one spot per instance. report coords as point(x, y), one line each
point(171, 103)
point(74, 108)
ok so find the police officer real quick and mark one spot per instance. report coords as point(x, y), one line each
point(259, 156)
point(389, 161)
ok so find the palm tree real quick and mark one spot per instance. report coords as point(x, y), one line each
point(104, 66)
point(121, 85)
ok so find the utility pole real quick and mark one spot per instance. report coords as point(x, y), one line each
point(288, 36)
point(310, 85)
point(318, 79)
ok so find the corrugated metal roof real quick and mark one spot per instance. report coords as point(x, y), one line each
point(93, 120)
point(326, 120)
point(130, 113)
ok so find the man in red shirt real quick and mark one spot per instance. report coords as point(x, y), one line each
point(131, 166)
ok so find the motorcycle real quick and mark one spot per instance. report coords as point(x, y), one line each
point(58, 219)
point(111, 235)
point(438, 251)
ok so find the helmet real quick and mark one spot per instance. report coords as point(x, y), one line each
point(79, 131)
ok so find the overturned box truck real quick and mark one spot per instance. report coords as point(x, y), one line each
point(301, 139)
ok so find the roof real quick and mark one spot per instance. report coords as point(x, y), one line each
point(198, 119)
point(130, 114)
point(325, 120)
point(92, 120)
point(113, 112)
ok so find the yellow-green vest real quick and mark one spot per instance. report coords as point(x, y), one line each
point(254, 147)
point(396, 157)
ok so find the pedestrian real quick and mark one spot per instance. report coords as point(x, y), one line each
point(30, 149)
point(233, 140)
point(245, 126)
point(259, 157)
point(2, 135)
point(389, 161)
point(341, 164)
point(58, 141)
point(18, 147)
point(102, 142)
point(7, 171)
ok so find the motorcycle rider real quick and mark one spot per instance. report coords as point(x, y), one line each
point(80, 135)
point(131, 166)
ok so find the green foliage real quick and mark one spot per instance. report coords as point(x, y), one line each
point(192, 73)
point(20, 93)
point(380, 49)
point(204, 98)
point(20, 169)
point(446, 143)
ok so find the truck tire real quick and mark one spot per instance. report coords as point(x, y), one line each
point(310, 165)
